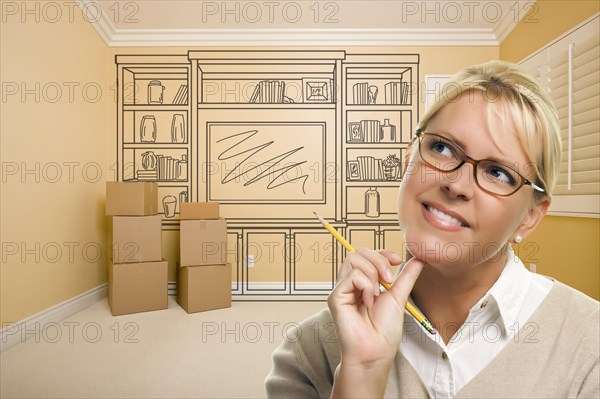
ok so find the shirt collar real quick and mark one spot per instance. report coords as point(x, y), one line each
point(508, 292)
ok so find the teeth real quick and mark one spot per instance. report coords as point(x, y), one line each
point(444, 216)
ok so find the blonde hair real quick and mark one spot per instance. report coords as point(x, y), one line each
point(510, 92)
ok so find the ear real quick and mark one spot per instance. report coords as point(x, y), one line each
point(533, 217)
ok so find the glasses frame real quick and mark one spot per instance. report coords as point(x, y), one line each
point(467, 159)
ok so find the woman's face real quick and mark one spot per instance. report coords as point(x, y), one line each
point(446, 217)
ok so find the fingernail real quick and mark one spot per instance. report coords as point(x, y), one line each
point(389, 277)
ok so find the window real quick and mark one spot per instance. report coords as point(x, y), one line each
point(569, 68)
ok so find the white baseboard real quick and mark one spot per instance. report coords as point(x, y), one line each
point(274, 285)
point(269, 286)
point(14, 333)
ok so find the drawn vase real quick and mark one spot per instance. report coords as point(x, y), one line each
point(169, 206)
point(372, 203)
point(388, 132)
point(178, 129)
point(155, 92)
point(182, 168)
point(183, 197)
point(148, 129)
point(149, 160)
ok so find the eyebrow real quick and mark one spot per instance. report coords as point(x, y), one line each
point(450, 136)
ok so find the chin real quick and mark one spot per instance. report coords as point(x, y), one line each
point(437, 252)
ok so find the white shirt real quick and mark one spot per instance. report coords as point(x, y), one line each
point(498, 318)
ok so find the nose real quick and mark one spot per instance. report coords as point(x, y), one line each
point(460, 183)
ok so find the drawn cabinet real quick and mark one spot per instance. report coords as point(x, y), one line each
point(381, 105)
point(153, 122)
point(273, 136)
point(281, 261)
point(266, 124)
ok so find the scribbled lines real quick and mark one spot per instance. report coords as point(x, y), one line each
point(248, 161)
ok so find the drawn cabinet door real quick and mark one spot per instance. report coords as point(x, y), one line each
point(234, 256)
point(362, 236)
point(265, 261)
point(314, 260)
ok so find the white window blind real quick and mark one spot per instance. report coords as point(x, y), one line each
point(569, 69)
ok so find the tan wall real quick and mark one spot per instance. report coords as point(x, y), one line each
point(52, 217)
point(549, 19)
point(566, 248)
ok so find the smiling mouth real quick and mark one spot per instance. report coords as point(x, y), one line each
point(444, 216)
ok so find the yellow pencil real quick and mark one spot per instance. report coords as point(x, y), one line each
point(411, 309)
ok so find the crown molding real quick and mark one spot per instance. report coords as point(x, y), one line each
point(103, 26)
point(115, 37)
point(503, 28)
point(297, 37)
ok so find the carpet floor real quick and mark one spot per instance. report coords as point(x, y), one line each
point(222, 353)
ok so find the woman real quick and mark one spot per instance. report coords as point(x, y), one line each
point(477, 178)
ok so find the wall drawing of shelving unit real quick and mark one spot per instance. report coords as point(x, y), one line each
point(153, 126)
point(273, 136)
point(381, 105)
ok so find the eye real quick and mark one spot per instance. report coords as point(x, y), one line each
point(443, 148)
point(496, 173)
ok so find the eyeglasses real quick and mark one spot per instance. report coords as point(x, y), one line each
point(493, 177)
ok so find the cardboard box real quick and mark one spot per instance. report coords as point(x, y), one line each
point(201, 288)
point(137, 287)
point(136, 239)
point(198, 210)
point(131, 198)
point(203, 242)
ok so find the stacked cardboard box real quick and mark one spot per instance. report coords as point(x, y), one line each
point(203, 276)
point(137, 274)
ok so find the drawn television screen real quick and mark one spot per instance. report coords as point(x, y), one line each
point(266, 163)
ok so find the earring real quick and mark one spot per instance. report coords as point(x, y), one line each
point(518, 239)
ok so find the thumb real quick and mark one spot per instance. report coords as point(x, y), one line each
point(406, 280)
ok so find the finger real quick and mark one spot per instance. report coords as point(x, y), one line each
point(352, 289)
point(357, 260)
point(391, 256)
point(406, 280)
point(346, 265)
point(381, 264)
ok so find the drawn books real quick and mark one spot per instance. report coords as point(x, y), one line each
point(269, 91)
point(360, 93)
point(167, 169)
point(181, 96)
point(370, 168)
point(396, 93)
point(371, 131)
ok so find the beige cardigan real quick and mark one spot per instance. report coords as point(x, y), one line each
point(558, 360)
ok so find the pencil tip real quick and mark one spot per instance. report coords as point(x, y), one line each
point(319, 217)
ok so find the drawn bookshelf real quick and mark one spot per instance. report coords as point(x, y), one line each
point(154, 124)
point(381, 106)
point(272, 136)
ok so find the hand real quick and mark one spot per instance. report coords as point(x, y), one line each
point(369, 322)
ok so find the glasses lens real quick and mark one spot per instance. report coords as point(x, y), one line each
point(497, 178)
point(446, 156)
point(440, 153)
